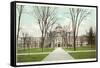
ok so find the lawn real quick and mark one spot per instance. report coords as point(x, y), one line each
point(83, 55)
point(80, 48)
point(34, 50)
point(31, 58)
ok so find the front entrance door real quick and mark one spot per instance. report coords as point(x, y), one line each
point(58, 45)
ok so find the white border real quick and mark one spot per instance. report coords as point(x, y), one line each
point(61, 61)
point(69, 6)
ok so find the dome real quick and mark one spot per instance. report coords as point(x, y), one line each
point(59, 26)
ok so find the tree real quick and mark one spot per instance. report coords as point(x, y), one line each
point(45, 17)
point(20, 9)
point(24, 38)
point(66, 36)
point(51, 37)
point(77, 16)
point(28, 41)
point(91, 37)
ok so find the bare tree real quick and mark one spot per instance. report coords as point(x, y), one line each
point(24, 38)
point(28, 42)
point(77, 16)
point(20, 9)
point(65, 36)
point(45, 17)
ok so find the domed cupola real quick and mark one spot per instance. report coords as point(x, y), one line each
point(58, 28)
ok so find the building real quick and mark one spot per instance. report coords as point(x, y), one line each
point(60, 37)
point(29, 42)
point(56, 38)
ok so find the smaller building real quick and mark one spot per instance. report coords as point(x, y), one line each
point(29, 42)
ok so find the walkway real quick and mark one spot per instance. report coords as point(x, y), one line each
point(33, 53)
point(81, 51)
point(58, 54)
point(50, 52)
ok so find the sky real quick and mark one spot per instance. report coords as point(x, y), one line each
point(29, 23)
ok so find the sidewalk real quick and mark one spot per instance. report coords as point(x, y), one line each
point(58, 54)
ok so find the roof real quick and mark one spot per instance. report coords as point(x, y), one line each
point(59, 26)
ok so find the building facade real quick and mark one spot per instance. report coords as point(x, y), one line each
point(56, 38)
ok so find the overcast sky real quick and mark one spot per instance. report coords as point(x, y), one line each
point(29, 24)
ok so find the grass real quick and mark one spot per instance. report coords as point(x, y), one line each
point(34, 50)
point(80, 48)
point(30, 58)
point(83, 55)
point(34, 57)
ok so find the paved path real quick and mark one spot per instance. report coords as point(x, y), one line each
point(81, 51)
point(58, 54)
point(33, 53)
point(50, 52)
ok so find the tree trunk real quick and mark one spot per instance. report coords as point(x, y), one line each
point(42, 43)
point(74, 42)
point(91, 44)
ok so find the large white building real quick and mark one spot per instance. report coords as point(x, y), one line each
point(60, 37)
point(56, 38)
